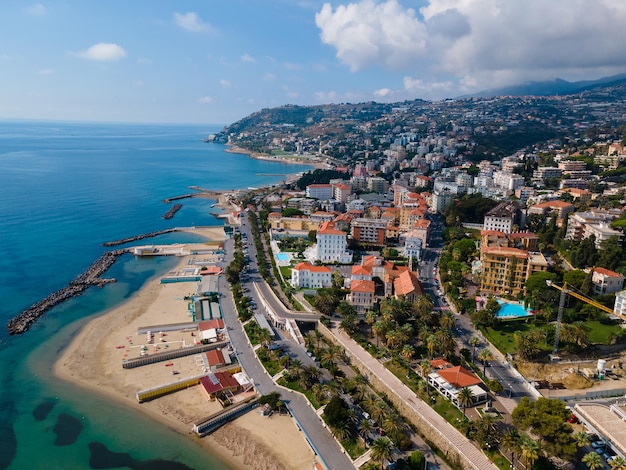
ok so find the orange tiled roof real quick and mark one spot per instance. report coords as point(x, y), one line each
point(215, 357)
point(361, 270)
point(459, 377)
point(406, 283)
point(363, 286)
point(328, 228)
point(606, 272)
point(304, 266)
point(209, 324)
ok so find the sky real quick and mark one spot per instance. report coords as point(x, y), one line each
point(215, 62)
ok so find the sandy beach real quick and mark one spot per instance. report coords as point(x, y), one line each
point(94, 358)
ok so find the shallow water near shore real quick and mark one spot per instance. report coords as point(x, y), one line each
point(66, 188)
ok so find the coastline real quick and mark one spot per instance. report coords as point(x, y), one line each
point(93, 359)
point(290, 159)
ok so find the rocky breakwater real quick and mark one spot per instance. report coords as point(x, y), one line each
point(175, 208)
point(91, 277)
point(139, 237)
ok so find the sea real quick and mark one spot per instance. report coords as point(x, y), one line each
point(65, 188)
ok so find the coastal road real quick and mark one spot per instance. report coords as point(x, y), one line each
point(327, 448)
point(498, 369)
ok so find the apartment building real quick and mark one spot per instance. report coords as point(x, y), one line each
point(505, 269)
point(503, 217)
point(331, 245)
point(306, 275)
point(362, 295)
point(369, 231)
point(320, 191)
point(605, 281)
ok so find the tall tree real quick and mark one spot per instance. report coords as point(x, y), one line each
point(593, 461)
point(465, 399)
point(382, 450)
point(485, 355)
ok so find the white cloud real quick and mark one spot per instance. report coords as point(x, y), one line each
point(367, 33)
point(452, 46)
point(225, 83)
point(269, 77)
point(205, 100)
point(5, 57)
point(382, 92)
point(45, 71)
point(36, 9)
point(192, 22)
point(247, 58)
point(139, 83)
point(103, 52)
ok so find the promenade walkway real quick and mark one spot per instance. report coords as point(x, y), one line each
point(471, 456)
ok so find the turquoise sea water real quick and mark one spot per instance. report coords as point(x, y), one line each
point(64, 189)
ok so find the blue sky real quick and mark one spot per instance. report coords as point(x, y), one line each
point(215, 62)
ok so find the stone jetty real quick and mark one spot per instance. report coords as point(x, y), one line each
point(91, 277)
point(176, 198)
point(139, 237)
point(175, 208)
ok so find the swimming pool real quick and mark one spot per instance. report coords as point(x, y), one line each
point(512, 310)
point(282, 256)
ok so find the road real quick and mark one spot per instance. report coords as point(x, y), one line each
point(322, 441)
point(514, 388)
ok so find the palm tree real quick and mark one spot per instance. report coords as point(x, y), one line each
point(511, 441)
point(529, 451)
point(582, 440)
point(593, 461)
point(473, 342)
point(382, 450)
point(370, 319)
point(618, 463)
point(265, 336)
point(484, 356)
point(318, 392)
point(445, 340)
point(365, 428)
point(380, 412)
point(432, 345)
point(296, 368)
point(392, 424)
point(319, 336)
point(407, 353)
point(465, 398)
point(447, 321)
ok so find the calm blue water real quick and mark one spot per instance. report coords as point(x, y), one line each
point(64, 189)
point(509, 310)
point(282, 256)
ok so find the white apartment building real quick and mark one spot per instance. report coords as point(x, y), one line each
point(502, 217)
point(320, 191)
point(306, 275)
point(620, 303)
point(544, 172)
point(441, 200)
point(508, 181)
point(606, 281)
point(331, 245)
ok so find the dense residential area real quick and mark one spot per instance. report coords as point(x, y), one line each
point(474, 248)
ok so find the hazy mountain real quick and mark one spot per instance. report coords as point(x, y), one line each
point(551, 87)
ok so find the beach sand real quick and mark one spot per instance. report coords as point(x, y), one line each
point(94, 358)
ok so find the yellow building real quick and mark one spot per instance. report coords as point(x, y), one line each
point(505, 270)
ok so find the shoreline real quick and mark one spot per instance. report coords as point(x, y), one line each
point(92, 361)
point(290, 159)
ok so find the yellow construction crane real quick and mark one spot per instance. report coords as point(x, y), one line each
point(564, 293)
